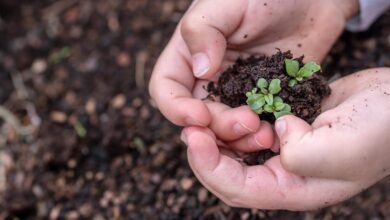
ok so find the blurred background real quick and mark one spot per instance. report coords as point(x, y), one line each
point(79, 135)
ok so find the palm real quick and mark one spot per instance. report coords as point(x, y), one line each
point(328, 177)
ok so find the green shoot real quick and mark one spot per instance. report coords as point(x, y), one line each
point(298, 74)
point(60, 55)
point(80, 129)
point(263, 98)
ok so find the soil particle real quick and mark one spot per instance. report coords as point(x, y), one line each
point(305, 98)
point(40, 179)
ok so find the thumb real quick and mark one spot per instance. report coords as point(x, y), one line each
point(205, 29)
point(291, 130)
point(307, 151)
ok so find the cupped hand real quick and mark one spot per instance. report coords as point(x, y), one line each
point(214, 33)
point(342, 153)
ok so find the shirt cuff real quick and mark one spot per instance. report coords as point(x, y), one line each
point(370, 10)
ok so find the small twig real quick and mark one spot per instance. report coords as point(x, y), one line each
point(140, 69)
point(3, 177)
point(32, 113)
point(23, 95)
point(11, 119)
point(18, 83)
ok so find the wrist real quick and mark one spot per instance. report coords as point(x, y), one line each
point(349, 8)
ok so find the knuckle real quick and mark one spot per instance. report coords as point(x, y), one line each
point(289, 162)
point(189, 26)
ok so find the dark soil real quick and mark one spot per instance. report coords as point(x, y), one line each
point(304, 98)
point(130, 164)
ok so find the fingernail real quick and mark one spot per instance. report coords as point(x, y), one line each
point(241, 129)
point(183, 137)
point(280, 127)
point(193, 122)
point(200, 64)
point(256, 143)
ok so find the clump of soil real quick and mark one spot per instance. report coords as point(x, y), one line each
point(305, 97)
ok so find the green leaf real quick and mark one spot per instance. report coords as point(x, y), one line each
point(248, 94)
point(287, 108)
point(281, 113)
point(299, 78)
point(279, 106)
point(285, 111)
point(268, 108)
point(292, 67)
point(309, 69)
point(274, 86)
point(269, 99)
point(264, 91)
point(262, 83)
point(256, 101)
point(80, 129)
point(277, 99)
point(292, 82)
point(259, 111)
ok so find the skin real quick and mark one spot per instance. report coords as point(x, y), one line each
point(319, 165)
point(231, 32)
point(336, 147)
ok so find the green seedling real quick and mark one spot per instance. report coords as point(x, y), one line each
point(263, 98)
point(62, 54)
point(298, 74)
point(278, 107)
point(80, 129)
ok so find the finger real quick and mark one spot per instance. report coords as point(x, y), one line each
point(205, 28)
point(262, 139)
point(276, 146)
point(347, 86)
point(338, 140)
point(322, 151)
point(232, 123)
point(171, 87)
point(264, 187)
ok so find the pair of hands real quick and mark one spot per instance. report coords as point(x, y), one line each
point(343, 152)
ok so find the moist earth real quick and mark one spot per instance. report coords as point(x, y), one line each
point(130, 164)
point(305, 97)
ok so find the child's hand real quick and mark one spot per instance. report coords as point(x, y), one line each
point(214, 33)
point(345, 151)
point(350, 141)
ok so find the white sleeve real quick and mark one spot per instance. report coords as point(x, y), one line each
point(370, 10)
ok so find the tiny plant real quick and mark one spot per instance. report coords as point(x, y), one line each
point(298, 74)
point(263, 98)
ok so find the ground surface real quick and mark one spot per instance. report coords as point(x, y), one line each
point(89, 144)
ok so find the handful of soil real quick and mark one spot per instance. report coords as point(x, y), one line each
point(304, 98)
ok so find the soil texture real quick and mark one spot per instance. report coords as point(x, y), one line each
point(74, 73)
point(304, 98)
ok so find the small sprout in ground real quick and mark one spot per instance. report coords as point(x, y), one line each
point(261, 99)
point(277, 107)
point(298, 74)
point(80, 129)
point(62, 54)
